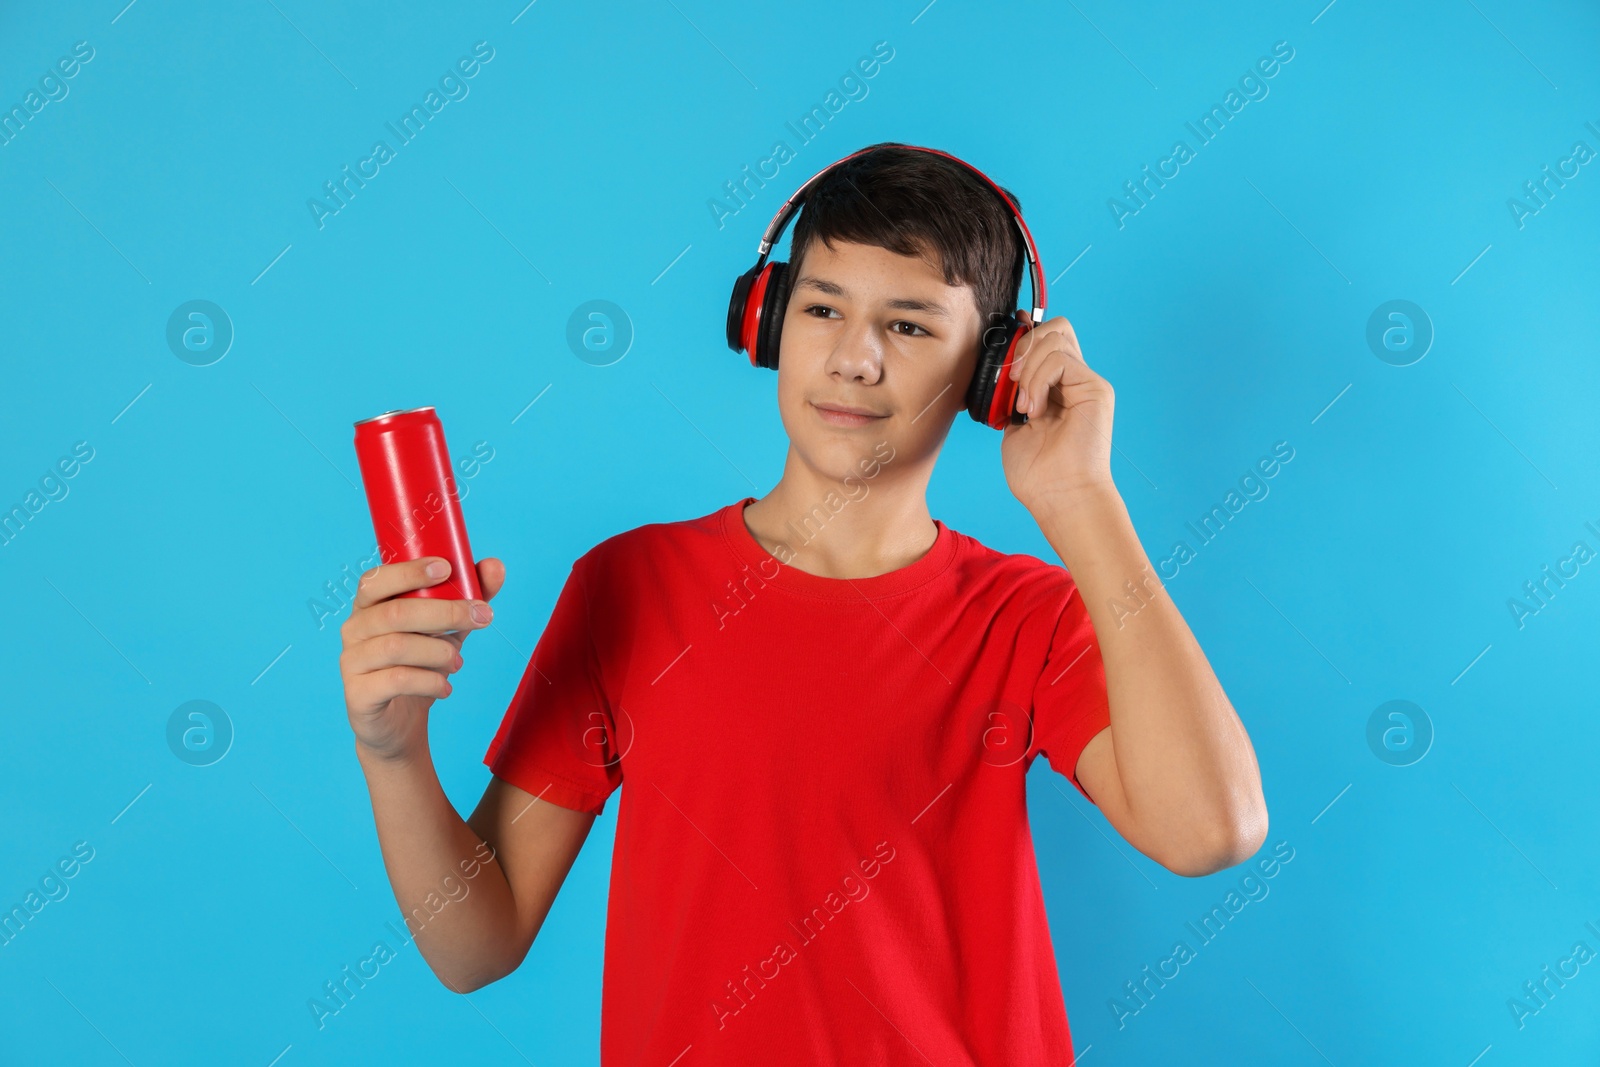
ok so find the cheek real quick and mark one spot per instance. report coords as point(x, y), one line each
point(791, 398)
point(799, 364)
point(943, 395)
point(950, 384)
point(790, 384)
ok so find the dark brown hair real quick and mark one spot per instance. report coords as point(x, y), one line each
point(915, 203)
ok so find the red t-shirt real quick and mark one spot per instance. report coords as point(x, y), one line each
point(822, 851)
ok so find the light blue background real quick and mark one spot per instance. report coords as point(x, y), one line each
point(1228, 313)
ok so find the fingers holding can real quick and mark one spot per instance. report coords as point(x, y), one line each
point(411, 614)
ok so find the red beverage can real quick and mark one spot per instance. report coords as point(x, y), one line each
point(412, 493)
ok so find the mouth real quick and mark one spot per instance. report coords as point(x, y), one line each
point(836, 415)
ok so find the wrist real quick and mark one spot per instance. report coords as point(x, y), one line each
point(1078, 502)
point(392, 758)
point(1089, 527)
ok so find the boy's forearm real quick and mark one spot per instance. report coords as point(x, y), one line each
point(452, 893)
point(1186, 764)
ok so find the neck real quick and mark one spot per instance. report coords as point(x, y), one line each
point(856, 528)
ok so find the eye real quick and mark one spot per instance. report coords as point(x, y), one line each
point(914, 326)
point(817, 307)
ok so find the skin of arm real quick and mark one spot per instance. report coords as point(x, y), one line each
point(473, 893)
point(472, 937)
point(1175, 772)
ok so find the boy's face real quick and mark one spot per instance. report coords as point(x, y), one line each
point(870, 329)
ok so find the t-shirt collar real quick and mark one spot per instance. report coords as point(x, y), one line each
point(747, 550)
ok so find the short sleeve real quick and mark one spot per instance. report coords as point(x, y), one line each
point(1069, 699)
point(557, 740)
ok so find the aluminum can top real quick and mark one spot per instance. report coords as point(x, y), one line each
point(392, 414)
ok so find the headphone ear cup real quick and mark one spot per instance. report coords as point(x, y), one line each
point(992, 396)
point(736, 308)
point(774, 303)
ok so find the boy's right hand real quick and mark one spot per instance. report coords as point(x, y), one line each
point(398, 651)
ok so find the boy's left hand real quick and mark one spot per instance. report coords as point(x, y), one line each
point(1065, 446)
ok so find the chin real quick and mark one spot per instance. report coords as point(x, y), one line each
point(848, 461)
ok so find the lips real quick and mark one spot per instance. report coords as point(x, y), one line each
point(846, 415)
point(848, 409)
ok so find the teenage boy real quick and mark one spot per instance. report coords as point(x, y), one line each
point(824, 701)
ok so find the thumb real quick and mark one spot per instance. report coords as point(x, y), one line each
point(491, 576)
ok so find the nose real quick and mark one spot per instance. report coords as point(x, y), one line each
point(858, 355)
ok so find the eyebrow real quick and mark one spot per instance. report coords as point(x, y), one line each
point(899, 303)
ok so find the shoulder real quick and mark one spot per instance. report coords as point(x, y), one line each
point(1034, 585)
point(652, 547)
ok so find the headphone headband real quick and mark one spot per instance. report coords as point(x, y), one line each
point(781, 220)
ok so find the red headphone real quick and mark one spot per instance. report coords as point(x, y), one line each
point(761, 295)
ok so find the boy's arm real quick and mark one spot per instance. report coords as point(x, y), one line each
point(1175, 772)
point(473, 896)
point(475, 892)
